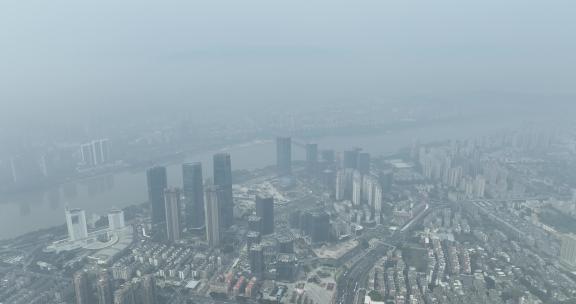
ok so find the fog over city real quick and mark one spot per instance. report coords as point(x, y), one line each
point(309, 152)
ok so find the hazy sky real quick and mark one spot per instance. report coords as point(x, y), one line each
point(127, 54)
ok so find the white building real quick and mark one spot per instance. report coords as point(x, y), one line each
point(76, 223)
point(96, 152)
point(357, 189)
point(116, 219)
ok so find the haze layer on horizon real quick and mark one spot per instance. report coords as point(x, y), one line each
point(68, 58)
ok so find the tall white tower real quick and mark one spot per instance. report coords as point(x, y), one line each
point(76, 223)
point(357, 189)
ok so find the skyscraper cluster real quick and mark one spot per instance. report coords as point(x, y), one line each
point(460, 168)
point(195, 208)
point(355, 182)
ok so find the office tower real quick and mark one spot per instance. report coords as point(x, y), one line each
point(479, 186)
point(213, 216)
point(350, 159)
point(81, 287)
point(265, 210)
point(194, 192)
point(147, 291)
point(284, 155)
point(76, 224)
point(377, 198)
point(157, 183)
point(172, 205)
point(367, 190)
point(364, 163)
point(223, 179)
point(320, 226)
point(116, 219)
point(255, 223)
point(104, 289)
point(256, 259)
point(568, 250)
point(125, 295)
point(357, 189)
point(87, 155)
point(311, 159)
point(344, 184)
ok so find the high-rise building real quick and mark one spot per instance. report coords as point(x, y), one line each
point(104, 289)
point(350, 159)
point(87, 154)
point(125, 295)
point(386, 179)
point(223, 179)
point(157, 183)
point(194, 192)
point(81, 287)
point(76, 224)
point(357, 189)
point(172, 205)
point(256, 259)
point(344, 184)
point(213, 216)
point(377, 199)
point(311, 159)
point(116, 219)
point(105, 150)
point(147, 291)
point(284, 155)
point(363, 164)
point(265, 210)
point(320, 227)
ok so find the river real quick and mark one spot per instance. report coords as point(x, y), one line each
point(32, 211)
